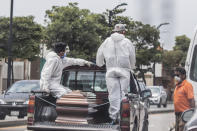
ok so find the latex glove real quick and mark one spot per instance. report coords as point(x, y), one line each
point(88, 63)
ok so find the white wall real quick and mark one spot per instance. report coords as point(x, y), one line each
point(18, 70)
point(158, 70)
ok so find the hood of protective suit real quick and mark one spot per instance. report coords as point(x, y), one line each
point(51, 55)
point(117, 37)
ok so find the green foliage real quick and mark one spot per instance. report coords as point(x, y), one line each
point(26, 37)
point(177, 57)
point(172, 59)
point(84, 31)
point(144, 36)
point(81, 30)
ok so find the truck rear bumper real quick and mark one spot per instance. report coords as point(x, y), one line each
point(52, 126)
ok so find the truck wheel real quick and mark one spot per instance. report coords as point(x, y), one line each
point(2, 116)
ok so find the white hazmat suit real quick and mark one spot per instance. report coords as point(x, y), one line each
point(52, 71)
point(119, 54)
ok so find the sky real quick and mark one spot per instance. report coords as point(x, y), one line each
point(180, 14)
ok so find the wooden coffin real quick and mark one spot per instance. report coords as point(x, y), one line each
point(73, 108)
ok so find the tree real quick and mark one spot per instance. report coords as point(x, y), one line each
point(171, 59)
point(146, 42)
point(182, 44)
point(145, 37)
point(177, 57)
point(82, 30)
point(26, 37)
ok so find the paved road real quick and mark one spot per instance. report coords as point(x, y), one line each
point(12, 118)
point(169, 106)
point(161, 122)
point(154, 109)
point(15, 128)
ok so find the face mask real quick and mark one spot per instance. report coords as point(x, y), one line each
point(62, 57)
point(177, 80)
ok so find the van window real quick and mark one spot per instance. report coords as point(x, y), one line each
point(193, 70)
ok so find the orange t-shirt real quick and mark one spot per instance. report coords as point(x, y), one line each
point(182, 94)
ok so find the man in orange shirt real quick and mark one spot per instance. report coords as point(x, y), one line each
point(183, 97)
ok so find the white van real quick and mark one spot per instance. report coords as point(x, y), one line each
point(191, 63)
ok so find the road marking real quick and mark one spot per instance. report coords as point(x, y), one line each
point(5, 128)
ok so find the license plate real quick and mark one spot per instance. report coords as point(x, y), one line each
point(14, 113)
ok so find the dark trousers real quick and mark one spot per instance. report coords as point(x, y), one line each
point(179, 123)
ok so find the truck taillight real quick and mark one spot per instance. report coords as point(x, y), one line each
point(125, 115)
point(30, 111)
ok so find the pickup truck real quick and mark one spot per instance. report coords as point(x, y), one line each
point(87, 108)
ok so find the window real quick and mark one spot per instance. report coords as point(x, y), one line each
point(193, 70)
point(133, 85)
point(100, 83)
point(68, 79)
point(91, 81)
point(87, 81)
point(23, 87)
point(142, 85)
point(155, 90)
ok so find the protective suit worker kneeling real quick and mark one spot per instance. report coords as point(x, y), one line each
point(52, 70)
point(119, 54)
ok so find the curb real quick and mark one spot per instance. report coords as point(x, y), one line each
point(8, 123)
point(160, 111)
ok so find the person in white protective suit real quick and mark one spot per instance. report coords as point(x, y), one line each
point(118, 53)
point(52, 70)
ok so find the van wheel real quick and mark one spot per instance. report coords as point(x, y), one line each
point(2, 116)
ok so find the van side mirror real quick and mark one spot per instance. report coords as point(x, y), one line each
point(187, 115)
point(146, 93)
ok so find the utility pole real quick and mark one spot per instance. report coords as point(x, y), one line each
point(9, 72)
point(166, 23)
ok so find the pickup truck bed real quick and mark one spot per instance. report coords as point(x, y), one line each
point(71, 123)
point(85, 109)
